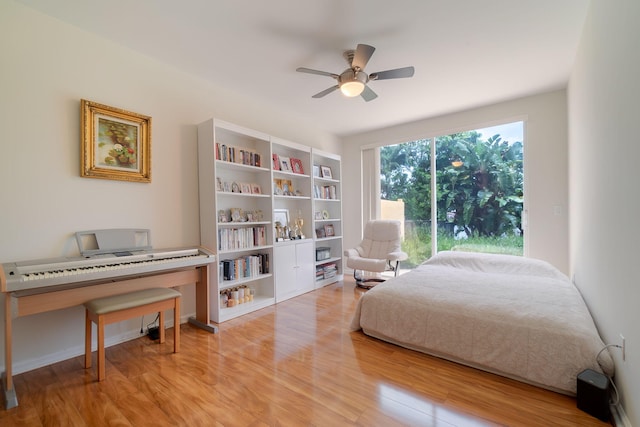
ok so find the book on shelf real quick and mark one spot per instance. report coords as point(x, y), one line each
point(325, 191)
point(244, 267)
point(241, 238)
point(244, 156)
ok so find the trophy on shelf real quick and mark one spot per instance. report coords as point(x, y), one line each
point(279, 231)
point(299, 223)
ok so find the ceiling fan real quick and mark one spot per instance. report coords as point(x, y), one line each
point(353, 81)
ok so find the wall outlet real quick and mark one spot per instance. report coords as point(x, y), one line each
point(624, 352)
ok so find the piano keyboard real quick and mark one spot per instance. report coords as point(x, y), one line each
point(36, 274)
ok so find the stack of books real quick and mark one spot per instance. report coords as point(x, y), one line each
point(246, 266)
point(326, 271)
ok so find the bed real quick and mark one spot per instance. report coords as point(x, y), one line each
point(512, 316)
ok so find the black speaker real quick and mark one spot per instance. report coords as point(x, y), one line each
point(593, 394)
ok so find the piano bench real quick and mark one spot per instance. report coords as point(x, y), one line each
point(103, 311)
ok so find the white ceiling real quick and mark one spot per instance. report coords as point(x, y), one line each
point(466, 53)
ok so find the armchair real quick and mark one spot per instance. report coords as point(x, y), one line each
point(379, 251)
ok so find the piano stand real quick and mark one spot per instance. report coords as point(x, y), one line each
point(202, 325)
point(10, 398)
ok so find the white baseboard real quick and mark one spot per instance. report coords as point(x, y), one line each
point(30, 364)
point(619, 416)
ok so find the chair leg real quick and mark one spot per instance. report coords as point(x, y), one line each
point(396, 268)
point(87, 340)
point(363, 283)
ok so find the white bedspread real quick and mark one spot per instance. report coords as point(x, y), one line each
point(513, 316)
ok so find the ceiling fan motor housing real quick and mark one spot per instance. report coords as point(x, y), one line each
point(350, 75)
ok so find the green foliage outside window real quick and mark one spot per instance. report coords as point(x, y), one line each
point(479, 186)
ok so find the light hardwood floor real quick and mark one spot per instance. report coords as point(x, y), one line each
point(293, 364)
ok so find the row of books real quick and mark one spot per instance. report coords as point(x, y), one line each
point(229, 153)
point(326, 271)
point(247, 266)
point(241, 238)
point(325, 192)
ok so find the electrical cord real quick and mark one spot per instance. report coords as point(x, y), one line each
point(609, 376)
point(154, 321)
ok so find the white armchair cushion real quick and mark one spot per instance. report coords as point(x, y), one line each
point(367, 264)
point(381, 242)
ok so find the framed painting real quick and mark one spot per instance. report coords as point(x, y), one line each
point(296, 166)
point(285, 164)
point(245, 188)
point(329, 230)
point(287, 187)
point(281, 216)
point(116, 144)
point(277, 187)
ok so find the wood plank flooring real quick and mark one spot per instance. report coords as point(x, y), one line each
point(293, 364)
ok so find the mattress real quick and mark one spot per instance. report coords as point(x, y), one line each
point(513, 316)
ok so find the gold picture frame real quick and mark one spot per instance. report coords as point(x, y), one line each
point(116, 144)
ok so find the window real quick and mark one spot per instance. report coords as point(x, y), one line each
point(470, 182)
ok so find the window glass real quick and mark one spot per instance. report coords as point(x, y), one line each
point(479, 180)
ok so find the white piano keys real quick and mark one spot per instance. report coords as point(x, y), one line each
point(35, 274)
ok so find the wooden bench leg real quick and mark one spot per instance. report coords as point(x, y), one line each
point(161, 326)
point(87, 340)
point(176, 325)
point(101, 361)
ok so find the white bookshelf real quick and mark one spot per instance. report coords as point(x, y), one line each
point(236, 204)
point(243, 191)
point(327, 216)
point(293, 266)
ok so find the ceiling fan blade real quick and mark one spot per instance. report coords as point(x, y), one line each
point(362, 55)
point(368, 95)
point(325, 92)
point(321, 73)
point(398, 73)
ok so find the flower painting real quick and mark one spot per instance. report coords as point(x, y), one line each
point(116, 144)
point(120, 141)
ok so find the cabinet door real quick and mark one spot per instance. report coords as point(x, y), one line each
point(285, 271)
point(305, 259)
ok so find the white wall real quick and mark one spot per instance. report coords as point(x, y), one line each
point(46, 67)
point(605, 200)
point(545, 169)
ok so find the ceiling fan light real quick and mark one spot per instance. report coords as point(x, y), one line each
point(352, 82)
point(352, 88)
